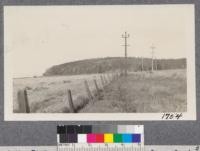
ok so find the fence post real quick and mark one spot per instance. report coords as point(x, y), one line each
point(102, 81)
point(110, 78)
point(88, 90)
point(97, 88)
point(114, 76)
point(23, 101)
point(70, 100)
point(107, 77)
point(104, 77)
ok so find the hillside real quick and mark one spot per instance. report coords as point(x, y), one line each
point(102, 65)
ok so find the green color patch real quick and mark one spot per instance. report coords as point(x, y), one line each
point(118, 138)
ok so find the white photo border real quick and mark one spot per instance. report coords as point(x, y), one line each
point(191, 96)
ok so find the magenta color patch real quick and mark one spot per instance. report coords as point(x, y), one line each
point(91, 138)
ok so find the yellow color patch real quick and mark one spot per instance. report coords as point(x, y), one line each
point(108, 138)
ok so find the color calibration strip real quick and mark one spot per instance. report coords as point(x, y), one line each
point(100, 134)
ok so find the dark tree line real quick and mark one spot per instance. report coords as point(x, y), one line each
point(102, 65)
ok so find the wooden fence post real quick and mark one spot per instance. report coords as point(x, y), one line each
point(23, 101)
point(106, 82)
point(88, 90)
point(97, 88)
point(70, 100)
point(114, 76)
point(108, 77)
point(102, 81)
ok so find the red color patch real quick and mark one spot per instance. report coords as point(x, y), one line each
point(99, 138)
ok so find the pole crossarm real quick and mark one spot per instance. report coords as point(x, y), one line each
point(125, 36)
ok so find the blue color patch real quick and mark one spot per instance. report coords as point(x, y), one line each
point(136, 138)
point(127, 138)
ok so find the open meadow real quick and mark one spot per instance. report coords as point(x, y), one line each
point(139, 92)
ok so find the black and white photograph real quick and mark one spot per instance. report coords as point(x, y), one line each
point(120, 62)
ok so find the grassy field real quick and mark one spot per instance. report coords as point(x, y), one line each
point(161, 91)
point(49, 94)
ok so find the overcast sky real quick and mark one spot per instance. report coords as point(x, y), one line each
point(38, 37)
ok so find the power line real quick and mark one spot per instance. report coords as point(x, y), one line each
point(142, 64)
point(125, 36)
point(152, 57)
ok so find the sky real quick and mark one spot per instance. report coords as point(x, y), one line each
point(38, 37)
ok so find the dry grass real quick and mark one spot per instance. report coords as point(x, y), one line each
point(49, 94)
point(161, 91)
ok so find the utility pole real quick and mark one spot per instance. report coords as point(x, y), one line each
point(125, 36)
point(152, 53)
point(142, 63)
point(156, 67)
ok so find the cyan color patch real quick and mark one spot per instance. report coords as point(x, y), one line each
point(127, 138)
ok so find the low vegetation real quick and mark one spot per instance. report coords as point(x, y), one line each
point(139, 92)
point(161, 91)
